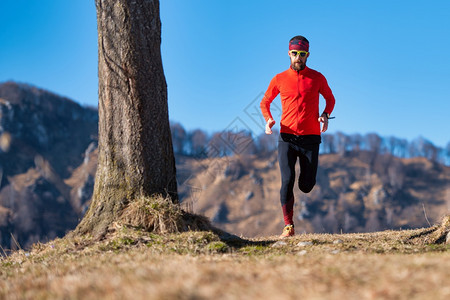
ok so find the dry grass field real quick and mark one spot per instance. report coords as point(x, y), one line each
point(133, 264)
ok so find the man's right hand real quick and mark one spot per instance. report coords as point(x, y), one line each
point(269, 126)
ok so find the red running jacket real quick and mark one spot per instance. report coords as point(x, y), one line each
point(299, 93)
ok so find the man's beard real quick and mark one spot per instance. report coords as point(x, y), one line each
point(298, 66)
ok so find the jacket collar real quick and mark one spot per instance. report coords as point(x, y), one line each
point(299, 72)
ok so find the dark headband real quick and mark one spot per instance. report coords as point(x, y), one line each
point(298, 45)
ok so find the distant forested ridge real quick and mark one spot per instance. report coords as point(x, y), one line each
point(199, 143)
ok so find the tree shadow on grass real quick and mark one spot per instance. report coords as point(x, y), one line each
point(194, 222)
point(235, 241)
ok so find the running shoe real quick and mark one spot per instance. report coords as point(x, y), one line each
point(288, 231)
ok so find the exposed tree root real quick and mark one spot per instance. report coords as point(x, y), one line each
point(438, 234)
point(160, 215)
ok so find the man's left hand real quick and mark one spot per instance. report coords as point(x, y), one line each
point(323, 119)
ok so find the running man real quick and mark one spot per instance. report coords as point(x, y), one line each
point(300, 126)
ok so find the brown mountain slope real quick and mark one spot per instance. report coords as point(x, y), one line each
point(355, 192)
point(42, 140)
point(38, 123)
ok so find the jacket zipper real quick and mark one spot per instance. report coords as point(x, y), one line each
point(298, 96)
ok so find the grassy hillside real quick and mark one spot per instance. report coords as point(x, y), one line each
point(133, 264)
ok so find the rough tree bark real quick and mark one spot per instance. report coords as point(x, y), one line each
point(135, 147)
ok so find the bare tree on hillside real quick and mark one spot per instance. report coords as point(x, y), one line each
point(343, 143)
point(135, 147)
point(267, 143)
point(374, 142)
point(179, 138)
point(328, 143)
point(447, 154)
point(197, 142)
point(356, 141)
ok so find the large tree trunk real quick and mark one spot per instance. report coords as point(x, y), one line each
point(135, 146)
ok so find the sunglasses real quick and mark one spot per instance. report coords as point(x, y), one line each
point(295, 53)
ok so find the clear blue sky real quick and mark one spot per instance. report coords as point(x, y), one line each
point(387, 62)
